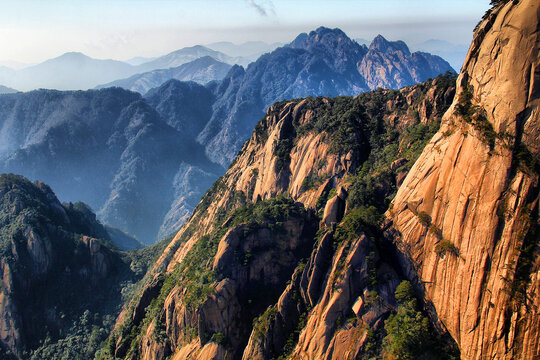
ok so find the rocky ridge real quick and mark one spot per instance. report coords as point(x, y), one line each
point(282, 178)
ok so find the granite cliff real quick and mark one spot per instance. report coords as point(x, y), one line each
point(289, 255)
point(262, 251)
point(469, 206)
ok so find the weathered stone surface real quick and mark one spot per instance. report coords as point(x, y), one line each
point(307, 175)
point(480, 199)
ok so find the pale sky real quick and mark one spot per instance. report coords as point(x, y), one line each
point(35, 30)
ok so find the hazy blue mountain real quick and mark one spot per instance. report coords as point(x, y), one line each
point(108, 148)
point(185, 55)
point(138, 60)
point(454, 54)
point(122, 240)
point(323, 62)
point(143, 162)
point(69, 71)
point(6, 74)
point(201, 70)
point(6, 90)
point(76, 71)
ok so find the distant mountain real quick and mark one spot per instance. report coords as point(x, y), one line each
point(76, 71)
point(68, 72)
point(122, 240)
point(6, 90)
point(185, 55)
point(16, 65)
point(201, 70)
point(454, 54)
point(144, 162)
point(138, 60)
point(108, 148)
point(390, 64)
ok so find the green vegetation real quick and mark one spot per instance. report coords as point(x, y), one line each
point(282, 150)
point(424, 218)
point(476, 116)
point(311, 181)
point(526, 161)
point(519, 277)
point(445, 246)
point(262, 322)
point(409, 334)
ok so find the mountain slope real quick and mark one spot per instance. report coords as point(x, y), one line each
point(207, 295)
point(477, 183)
point(108, 148)
point(57, 263)
point(201, 70)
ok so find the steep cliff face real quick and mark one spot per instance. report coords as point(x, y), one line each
point(466, 216)
point(221, 291)
point(41, 255)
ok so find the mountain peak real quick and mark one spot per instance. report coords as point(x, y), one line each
point(381, 44)
point(322, 36)
point(73, 55)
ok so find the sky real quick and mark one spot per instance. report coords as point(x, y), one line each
point(32, 31)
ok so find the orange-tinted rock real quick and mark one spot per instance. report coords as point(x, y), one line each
point(481, 199)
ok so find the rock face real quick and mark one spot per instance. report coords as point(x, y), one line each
point(466, 216)
point(52, 265)
point(223, 281)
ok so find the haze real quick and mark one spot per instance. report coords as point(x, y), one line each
point(32, 31)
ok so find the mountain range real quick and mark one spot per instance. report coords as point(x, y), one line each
point(394, 224)
point(201, 70)
point(104, 146)
point(76, 71)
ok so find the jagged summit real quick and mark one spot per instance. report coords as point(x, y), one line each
point(380, 43)
point(329, 40)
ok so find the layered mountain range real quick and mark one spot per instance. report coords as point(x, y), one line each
point(201, 70)
point(399, 224)
point(353, 228)
point(144, 162)
point(76, 71)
